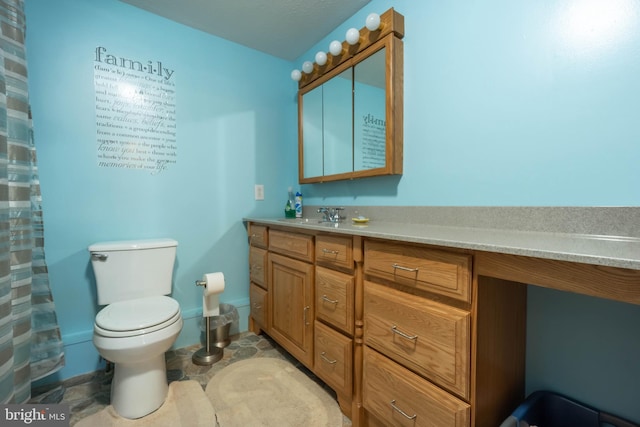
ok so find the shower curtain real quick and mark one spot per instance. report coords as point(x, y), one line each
point(30, 342)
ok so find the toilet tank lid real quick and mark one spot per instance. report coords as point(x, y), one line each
point(130, 245)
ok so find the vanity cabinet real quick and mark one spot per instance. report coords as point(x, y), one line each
point(404, 333)
point(424, 320)
point(291, 293)
point(306, 302)
point(411, 332)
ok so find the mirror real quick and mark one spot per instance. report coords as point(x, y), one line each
point(336, 113)
point(369, 104)
point(350, 110)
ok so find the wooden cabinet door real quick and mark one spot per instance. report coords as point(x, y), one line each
point(291, 296)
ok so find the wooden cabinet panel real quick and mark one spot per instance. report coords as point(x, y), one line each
point(258, 266)
point(333, 359)
point(432, 270)
point(398, 397)
point(259, 304)
point(428, 337)
point(335, 252)
point(441, 346)
point(296, 245)
point(258, 235)
point(335, 299)
point(291, 285)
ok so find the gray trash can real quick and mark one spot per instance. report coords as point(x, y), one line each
point(220, 325)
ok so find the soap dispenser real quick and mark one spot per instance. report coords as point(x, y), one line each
point(290, 207)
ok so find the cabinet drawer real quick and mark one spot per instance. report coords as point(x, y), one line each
point(258, 235)
point(293, 244)
point(334, 298)
point(258, 302)
point(428, 337)
point(433, 270)
point(398, 397)
point(335, 251)
point(258, 266)
point(333, 359)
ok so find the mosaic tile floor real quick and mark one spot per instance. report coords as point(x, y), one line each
point(88, 394)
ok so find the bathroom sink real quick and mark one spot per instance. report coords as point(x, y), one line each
point(297, 220)
point(309, 221)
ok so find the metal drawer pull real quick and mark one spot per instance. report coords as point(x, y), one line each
point(322, 355)
point(395, 330)
point(399, 267)
point(407, 416)
point(329, 251)
point(256, 267)
point(332, 301)
point(256, 305)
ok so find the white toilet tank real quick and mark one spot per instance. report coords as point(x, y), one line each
point(131, 269)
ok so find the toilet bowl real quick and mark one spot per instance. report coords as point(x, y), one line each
point(139, 321)
point(134, 335)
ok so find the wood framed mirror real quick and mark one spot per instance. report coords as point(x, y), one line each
point(350, 110)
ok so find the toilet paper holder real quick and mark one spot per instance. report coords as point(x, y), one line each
point(209, 354)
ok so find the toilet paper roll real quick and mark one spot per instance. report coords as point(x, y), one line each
point(211, 293)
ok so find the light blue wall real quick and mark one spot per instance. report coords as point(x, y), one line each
point(235, 125)
point(506, 103)
point(510, 103)
point(524, 103)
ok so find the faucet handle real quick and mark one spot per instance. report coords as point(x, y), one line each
point(326, 214)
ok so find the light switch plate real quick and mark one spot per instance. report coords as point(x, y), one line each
point(259, 192)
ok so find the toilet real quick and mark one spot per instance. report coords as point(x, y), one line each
point(139, 322)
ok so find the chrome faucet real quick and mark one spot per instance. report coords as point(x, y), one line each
point(325, 214)
point(331, 214)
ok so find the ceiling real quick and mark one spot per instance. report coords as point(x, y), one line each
point(282, 28)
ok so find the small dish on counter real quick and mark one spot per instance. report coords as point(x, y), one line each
point(360, 220)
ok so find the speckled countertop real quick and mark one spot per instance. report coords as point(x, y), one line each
point(599, 236)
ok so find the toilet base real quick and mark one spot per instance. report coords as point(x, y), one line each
point(137, 389)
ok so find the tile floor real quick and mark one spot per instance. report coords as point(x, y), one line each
point(88, 394)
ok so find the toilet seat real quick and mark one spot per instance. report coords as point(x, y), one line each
point(137, 316)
